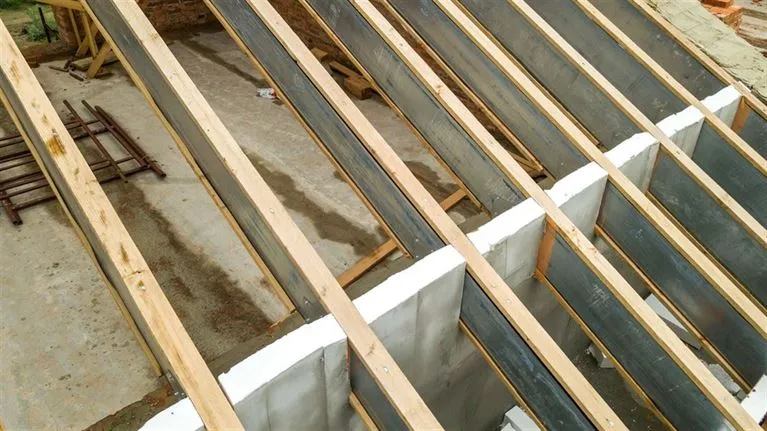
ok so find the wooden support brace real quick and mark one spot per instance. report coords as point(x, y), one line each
point(90, 35)
point(99, 60)
point(67, 4)
point(545, 249)
point(362, 413)
point(384, 250)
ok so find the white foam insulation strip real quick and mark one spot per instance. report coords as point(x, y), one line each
point(301, 381)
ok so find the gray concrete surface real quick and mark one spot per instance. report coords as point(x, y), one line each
point(67, 357)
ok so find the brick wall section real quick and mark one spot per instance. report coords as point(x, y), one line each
point(165, 15)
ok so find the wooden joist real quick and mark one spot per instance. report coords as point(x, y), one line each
point(125, 26)
point(105, 237)
point(677, 182)
point(246, 33)
point(752, 102)
point(628, 298)
point(722, 130)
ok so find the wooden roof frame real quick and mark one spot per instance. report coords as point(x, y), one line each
point(716, 123)
point(722, 198)
point(361, 338)
point(440, 91)
point(489, 280)
point(107, 241)
point(671, 343)
point(95, 214)
point(753, 102)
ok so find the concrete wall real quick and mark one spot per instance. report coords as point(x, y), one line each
point(684, 127)
point(301, 381)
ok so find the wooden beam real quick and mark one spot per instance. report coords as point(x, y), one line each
point(67, 4)
point(754, 234)
point(265, 204)
point(754, 102)
point(90, 32)
point(73, 23)
point(90, 35)
point(716, 123)
point(107, 239)
point(361, 412)
point(99, 60)
point(478, 268)
point(381, 252)
point(627, 296)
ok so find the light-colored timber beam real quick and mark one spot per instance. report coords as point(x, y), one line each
point(753, 102)
point(105, 237)
point(716, 123)
point(369, 349)
point(758, 231)
point(627, 296)
point(721, 197)
point(68, 4)
point(488, 279)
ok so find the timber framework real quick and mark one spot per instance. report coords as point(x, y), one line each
point(650, 241)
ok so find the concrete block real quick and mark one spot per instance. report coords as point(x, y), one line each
point(635, 157)
point(518, 420)
point(602, 360)
point(755, 402)
point(683, 128)
point(515, 235)
point(579, 195)
point(724, 104)
point(415, 314)
point(267, 387)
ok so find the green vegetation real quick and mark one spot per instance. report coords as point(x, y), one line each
point(11, 4)
point(34, 29)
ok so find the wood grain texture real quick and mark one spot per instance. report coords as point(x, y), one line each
point(490, 282)
point(108, 240)
point(262, 200)
point(617, 285)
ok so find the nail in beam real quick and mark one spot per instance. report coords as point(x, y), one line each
point(256, 21)
point(105, 237)
point(687, 63)
point(685, 359)
point(677, 183)
point(199, 132)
